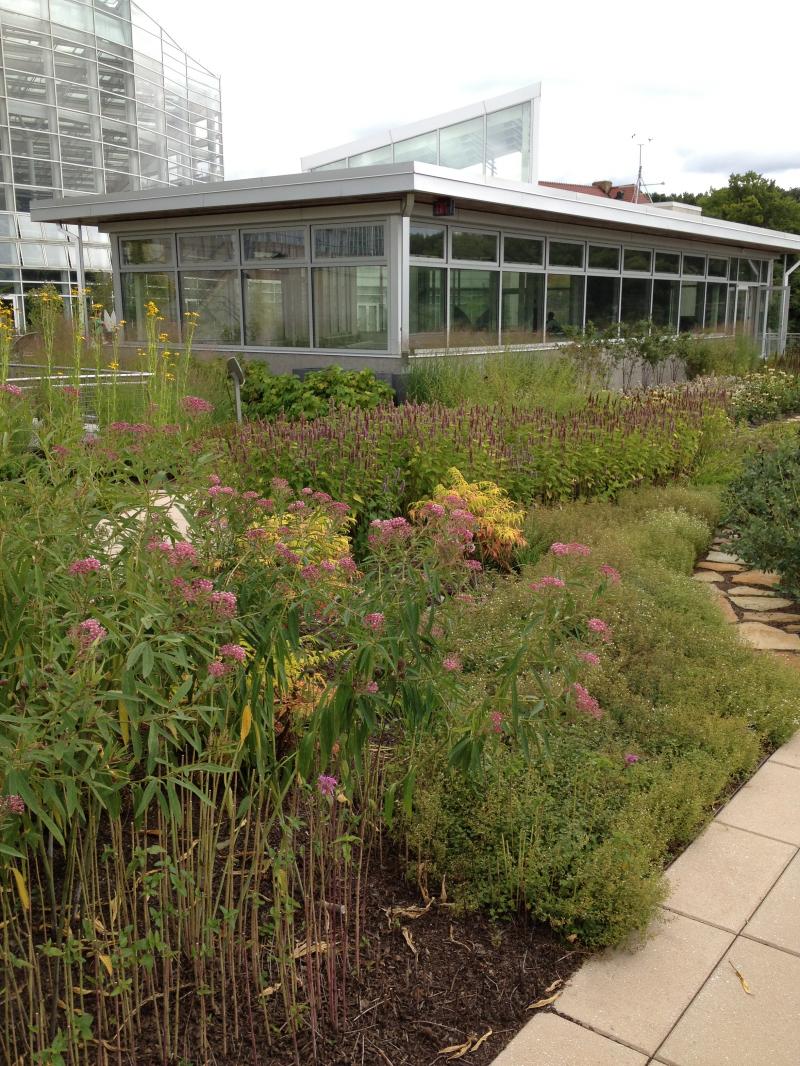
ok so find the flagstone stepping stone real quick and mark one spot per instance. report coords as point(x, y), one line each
point(773, 616)
point(757, 577)
point(720, 568)
point(748, 590)
point(768, 638)
point(723, 603)
point(707, 575)
point(723, 557)
point(759, 603)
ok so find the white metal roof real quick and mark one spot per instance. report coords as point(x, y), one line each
point(394, 181)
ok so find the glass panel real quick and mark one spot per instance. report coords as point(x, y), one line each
point(564, 303)
point(565, 254)
point(473, 306)
point(344, 242)
point(748, 270)
point(337, 164)
point(138, 289)
point(428, 307)
point(716, 306)
point(635, 299)
point(272, 244)
point(276, 308)
point(602, 301)
point(666, 302)
point(207, 247)
point(601, 258)
point(668, 263)
point(67, 13)
point(718, 268)
point(474, 247)
point(523, 307)
point(32, 255)
point(81, 178)
point(691, 316)
point(350, 306)
point(694, 264)
point(523, 250)
point(375, 157)
point(215, 296)
point(422, 149)
point(461, 146)
point(426, 241)
point(638, 259)
point(508, 134)
point(143, 251)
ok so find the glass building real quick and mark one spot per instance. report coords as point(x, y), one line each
point(360, 260)
point(95, 98)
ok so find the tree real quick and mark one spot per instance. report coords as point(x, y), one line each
point(753, 200)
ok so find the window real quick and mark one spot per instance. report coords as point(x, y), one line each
point(602, 258)
point(716, 305)
point(717, 268)
point(474, 298)
point(474, 247)
point(563, 254)
point(635, 299)
point(348, 242)
point(508, 134)
point(373, 158)
point(146, 250)
point(276, 308)
point(748, 270)
point(461, 146)
point(427, 241)
point(422, 149)
point(523, 307)
point(428, 307)
point(564, 303)
point(215, 296)
point(638, 259)
point(694, 264)
point(666, 302)
point(271, 244)
point(138, 289)
point(207, 247)
point(668, 263)
point(691, 314)
point(350, 306)
point(523, 250)
point(602, 301)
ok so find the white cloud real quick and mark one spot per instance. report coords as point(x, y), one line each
point(700, 78)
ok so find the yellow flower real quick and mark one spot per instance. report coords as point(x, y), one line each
point(163, 336)
point(113, 366)
point(169, 377)
point(151, 309)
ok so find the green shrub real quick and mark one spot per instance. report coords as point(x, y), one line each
point(765, 395)
point(268, 396)
point(763, 506)
point(719, 357)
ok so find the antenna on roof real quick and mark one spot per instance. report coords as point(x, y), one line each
point(639, 181)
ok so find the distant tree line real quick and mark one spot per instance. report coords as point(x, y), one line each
point(755, 201)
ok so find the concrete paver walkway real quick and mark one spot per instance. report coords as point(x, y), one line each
point(718, 982)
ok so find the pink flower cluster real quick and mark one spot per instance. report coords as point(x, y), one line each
point(573, 548)
point(548, 582)
point(137, 429)
point(71, 392)
point(84, 566)
point(88, 632)
point(388, 531)
point(11, 390)
point(195, 405)
point(585, 702)
point(590, 658)
point(452, 664)
point(223, 604)
point(230, 654)
point(497, 718)
point(12, 804)
point(221, 490)
point(375, 621)
point(631, 759)
point(179, 552)
point(597, 625)
point(609, 572)
point(371, 688)
point(327, 783)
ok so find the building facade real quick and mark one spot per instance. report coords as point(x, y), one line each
point(96, 99)
point(363, 261)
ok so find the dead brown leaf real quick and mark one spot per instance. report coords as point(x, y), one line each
point(553, 986)
point(408, 938)
point(455, 1051)
point(411, 912)
point(544, 1002)
point(480, 1041)
point(303, 949)
point(572, 938)
point(742, 981)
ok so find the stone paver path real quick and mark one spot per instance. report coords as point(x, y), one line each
point(717, 983)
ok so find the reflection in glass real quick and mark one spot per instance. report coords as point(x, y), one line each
point(350, 307)
point(691, 315)
point(523, 307)
point(635, 299)
point(422, 149)
point(523, 250)
point(461, 146)
point(426, 241)
point(602, 258)
point(345, 242)
point(638, 259)
point(138, 289)
point(508, 134)
point(717, 268)
point(207, 247)
point(474, 298)
point(428, 307)
point(143, 251)
point(666, 302)
point(215, 296)
point(373, 158)
point(276, 308)
point(668, 263)
point(474, 247)
point(716, 306)
point(694, 264)
point(602, 300)
point(565, 254)
point(271, 244)
point(564, 303)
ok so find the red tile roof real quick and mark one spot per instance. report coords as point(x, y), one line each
point(615, 192)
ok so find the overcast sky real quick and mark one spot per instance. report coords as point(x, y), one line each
point(714, 84)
